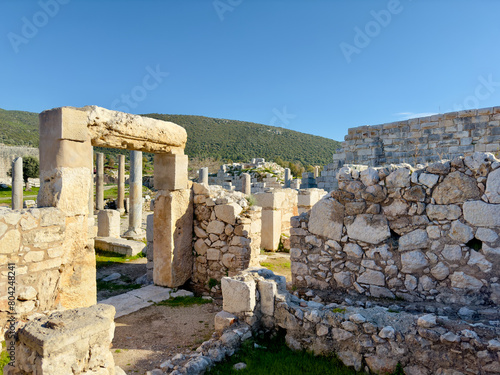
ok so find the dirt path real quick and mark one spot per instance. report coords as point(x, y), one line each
point(145, 339)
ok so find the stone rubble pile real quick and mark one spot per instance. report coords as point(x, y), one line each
point(425, 234)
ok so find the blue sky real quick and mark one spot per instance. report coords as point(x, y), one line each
point(315, 66)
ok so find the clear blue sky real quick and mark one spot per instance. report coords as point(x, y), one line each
point(272, 62)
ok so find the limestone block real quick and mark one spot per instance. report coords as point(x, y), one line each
point(353, 250)
point(327, 219)
point(267, 290)
point(456, 187)
point(173, 229)
point(487, 235)
point(418, 239)
point(398, 179)
point(452, 253)
point(171, 171)
point(216, 227)
point(397, 208)
point(372, 277)
point(413, 261)
point(111, 129)
point(443, 212)
point(369, 177)
point(343, 279)
point(238, 295)
point(271, 229)
point(493, 187)
point(150, 227)
point(463, 281)
point(440, 271)
point(228, 212)
point(213, 254)
point(481, 214)
point(223, 319)
point(119, 245)
point(369, 228)
point(460, 232)
point(51, 216)
point(108, 223)
point(478, 259)
point(428, 179)
point(64, 123)
point(10, 242)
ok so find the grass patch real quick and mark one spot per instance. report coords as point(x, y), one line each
point(4, 358)
point(277, 359)
point(124, 284)
point(108, 258)
point(338, 310)
point(183, 301)
point(6, 194)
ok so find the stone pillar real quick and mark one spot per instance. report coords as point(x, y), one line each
point(17, 184)
point(108, 223)
point(120, 201)
point(246, 183)
point(99, 188)
point(173, 221)
point(135, 194)
point(316, 172)
point(271, 203)
point(288, 177)
point(203, 176)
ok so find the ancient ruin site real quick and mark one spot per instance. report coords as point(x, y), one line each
point(246, 187)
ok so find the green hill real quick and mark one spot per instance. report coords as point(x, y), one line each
point(207, 137)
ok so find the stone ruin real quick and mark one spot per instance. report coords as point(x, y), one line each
point(398, 265)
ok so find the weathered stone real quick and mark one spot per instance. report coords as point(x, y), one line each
point(238, 295)
point(396, 208)
point(343, 279)
point(354, 208)
point(369, 228)
point(380, 292)
point(351, 359)
point(369, 177)
point(213, 254)
point(478, 259)
point(481, 214)
point(441, 167)
point(463, 281)
point(455, 188)
point(353, 250)
point(10, 242)
point(427, 321)
point(108, 223)
point(440, 271)
point(381, 365)
point(443, 212)
point(341, 334)
point(223, 319)
point(400, 178)
point(228, 212)
point(413, 261)
point(267, 290)
point(452, 253)
point(428, 180)
point(487, 235)
point(415, 194)
point(493, 187)
point(372, 277)
point(327, 219)
point(460, 232)
point(216, 227)
point(418, 239)
point(374, 193)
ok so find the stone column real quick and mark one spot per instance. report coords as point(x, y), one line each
point(120, 201)
point(316, 172)
point(99, 189)
point(203, 176)
point(135, 185)
point(288, 175)
point(246, 183)
point(17, 184)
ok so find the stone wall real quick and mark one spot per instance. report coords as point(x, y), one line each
point(418, 234)
point(54, 263)
point(226, 233)
point(68, 342)
point(422, 140)
point(9, 153)
point(367, 338)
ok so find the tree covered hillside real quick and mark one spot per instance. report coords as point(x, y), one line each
point(225, 140)
point(241, 141)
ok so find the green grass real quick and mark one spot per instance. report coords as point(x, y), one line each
point(4, 358)
point(115, 286)
point(6, 195)
point(108, 258)
point(277, 359)
point(183, 301)
point(339, 310)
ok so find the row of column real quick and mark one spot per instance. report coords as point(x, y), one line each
point(135, 191)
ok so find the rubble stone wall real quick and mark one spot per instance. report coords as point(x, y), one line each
point(422, 140)
point(53, 262)
point(428, 234)
point(226, 233)
point(366, 338)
